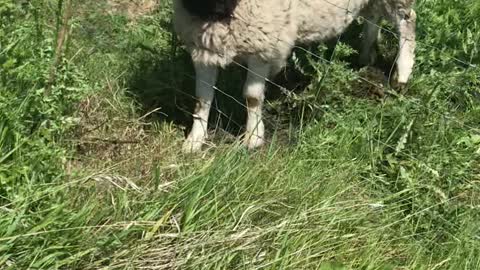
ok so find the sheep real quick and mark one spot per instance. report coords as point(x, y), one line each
point(262, 33)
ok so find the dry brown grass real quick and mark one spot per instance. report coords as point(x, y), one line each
point(133, 8)
point(112, 141)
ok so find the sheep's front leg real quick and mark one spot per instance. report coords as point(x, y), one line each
point(406, 57)
point(368, 53)
point(254, 93)
point(206, 78)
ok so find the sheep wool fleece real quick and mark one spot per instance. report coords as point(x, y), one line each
point(270, 28)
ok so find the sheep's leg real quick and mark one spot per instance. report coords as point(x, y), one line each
point(254, 93)
point(368, 52)
point(406, 57)
point(206, 78)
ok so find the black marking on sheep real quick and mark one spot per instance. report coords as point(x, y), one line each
point(211, 10)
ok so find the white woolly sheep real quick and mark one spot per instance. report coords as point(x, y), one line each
point(263, 33)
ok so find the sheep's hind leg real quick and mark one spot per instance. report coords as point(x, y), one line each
point(254, 93)
point(371, 30)
point(206, 78)
point(406, 57)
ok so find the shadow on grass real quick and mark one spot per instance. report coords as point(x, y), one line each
point(163, 85)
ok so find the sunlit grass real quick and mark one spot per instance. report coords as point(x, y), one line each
point(362, 183)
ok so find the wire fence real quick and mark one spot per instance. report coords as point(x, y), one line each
point(290, 93)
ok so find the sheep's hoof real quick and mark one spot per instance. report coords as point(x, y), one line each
point(400, 87)
point(253, 142)
point(192, 146)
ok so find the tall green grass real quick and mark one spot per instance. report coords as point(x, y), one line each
point(91, 176)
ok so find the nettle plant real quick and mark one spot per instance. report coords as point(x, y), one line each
point(453, 28)
point(321, 77)
point(448, 56)
point(34, 108)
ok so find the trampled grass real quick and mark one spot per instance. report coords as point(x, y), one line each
point(354, 176)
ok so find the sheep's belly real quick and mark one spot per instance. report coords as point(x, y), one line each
point(320, 20)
